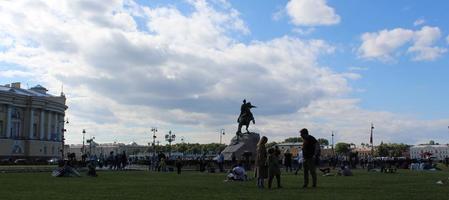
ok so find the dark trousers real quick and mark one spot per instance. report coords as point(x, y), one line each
point(278, 179)
point(220, 166)
point(309, 166)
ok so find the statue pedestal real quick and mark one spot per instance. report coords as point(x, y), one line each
point(245, 143)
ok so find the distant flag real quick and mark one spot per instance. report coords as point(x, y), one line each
point(371, 137)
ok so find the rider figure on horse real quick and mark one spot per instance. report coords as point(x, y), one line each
point(245, 116)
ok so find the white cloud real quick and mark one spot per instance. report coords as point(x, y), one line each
point(385, 45)
point(184, 72)
point(311, 13)
point(423, 41)
point(447, 39)
point(14, 73)
point(279, 14)
point(419, 22)
point(301, 31)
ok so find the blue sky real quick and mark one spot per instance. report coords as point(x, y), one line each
point(324, 64)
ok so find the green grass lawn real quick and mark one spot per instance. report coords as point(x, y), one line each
point(193, 185)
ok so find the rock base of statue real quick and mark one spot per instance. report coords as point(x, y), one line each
point(242, 147)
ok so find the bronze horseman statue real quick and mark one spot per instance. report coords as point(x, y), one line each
point(245, 117)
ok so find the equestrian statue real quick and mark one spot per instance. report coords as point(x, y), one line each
point(245, 117)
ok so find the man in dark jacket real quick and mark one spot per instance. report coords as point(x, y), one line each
point(310, 152)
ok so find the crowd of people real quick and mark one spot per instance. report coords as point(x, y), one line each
point(267, 165)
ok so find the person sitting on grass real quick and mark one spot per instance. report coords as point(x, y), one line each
point(91, 171)
point(326, 171)
point(237, 173)
point(443, 182)
point(345, 171)
point(65, 170)
point(273, 168)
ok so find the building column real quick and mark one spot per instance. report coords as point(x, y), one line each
point(41, 126)
point(56, 126)
point(49, 125)
point(31, 128)
point(8, 121)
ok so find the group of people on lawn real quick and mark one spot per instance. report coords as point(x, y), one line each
point(267, 161)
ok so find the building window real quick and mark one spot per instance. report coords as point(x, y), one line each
point(16, 125)
point(35, 130)
point(36, 120)
point(15, 130)
point(2, 134)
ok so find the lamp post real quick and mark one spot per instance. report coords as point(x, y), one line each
point(84, 135)
point(222, 132)
point(333, 152)
point(154, 130)
point(371, 140)
point(63, 130)
point(170, 138)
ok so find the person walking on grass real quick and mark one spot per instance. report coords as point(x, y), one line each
point(288, 160)
point(273, 168)
point(310, 152)
point(179, 164)
point(261, 162)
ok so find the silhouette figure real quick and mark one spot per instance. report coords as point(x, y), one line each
point(245, 117)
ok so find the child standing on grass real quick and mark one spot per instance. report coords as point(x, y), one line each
point(179, 164)
point(163, 165)
point(273, 168)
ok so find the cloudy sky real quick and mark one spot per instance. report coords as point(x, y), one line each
point(185, 66)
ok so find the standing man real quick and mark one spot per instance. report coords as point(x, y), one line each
point(220, 161)
point(310, 152)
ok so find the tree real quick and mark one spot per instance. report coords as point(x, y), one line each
point(323, 142)
point(342, 148)
point(391, 149)
point(293, 139)
point(431, 142)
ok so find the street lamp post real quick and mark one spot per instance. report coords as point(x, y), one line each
point(371, 140)
point(154, 130)
point(333, 152)
point(222, 132)
point(170, 138)
point(63, 130)
point(84, 135)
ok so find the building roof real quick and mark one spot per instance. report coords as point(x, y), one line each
point(429, 145)
point(27, 92)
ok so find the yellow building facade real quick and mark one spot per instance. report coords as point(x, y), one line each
point(31, 122)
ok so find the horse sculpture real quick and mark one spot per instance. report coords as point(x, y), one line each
point(245, 117)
